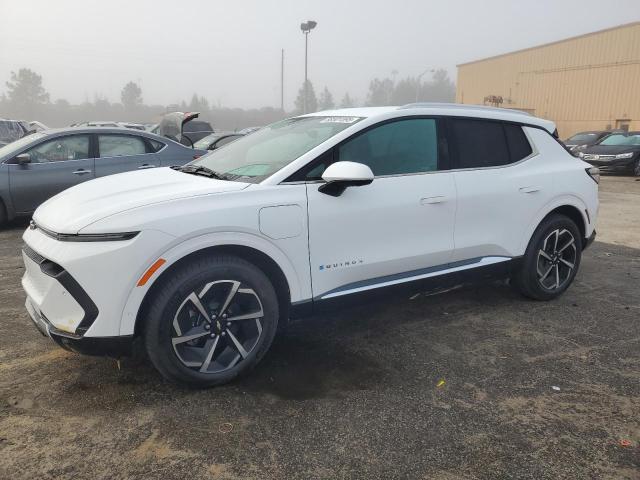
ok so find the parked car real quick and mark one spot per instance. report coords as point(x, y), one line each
point(36, 126)
point(42, 164)
point(216, 140)
point(10, 131)
point(618, 152)
point(585, 139)
point(183, 127)
point(202, 262)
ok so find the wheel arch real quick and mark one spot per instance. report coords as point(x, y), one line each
point(268, 258)
point(258, 258)
point(571, 207)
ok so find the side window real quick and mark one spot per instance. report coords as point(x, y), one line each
point(155, 145)
point(74, 147)
point(120, 145)
point(479, 143)
point(399, 147)
point(519, 146)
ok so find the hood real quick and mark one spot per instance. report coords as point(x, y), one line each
point(86, 203)
point(172, 124)
point(609, 149)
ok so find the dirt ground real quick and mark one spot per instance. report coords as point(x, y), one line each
point(527, 390)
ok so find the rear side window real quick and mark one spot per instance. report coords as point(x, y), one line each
point(155, 145)
point(120, 145)
point(481, 143)
point(519, 146)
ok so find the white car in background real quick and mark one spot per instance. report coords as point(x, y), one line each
point(202, 262)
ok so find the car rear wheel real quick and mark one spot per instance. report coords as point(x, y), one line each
point(212, 321)
point(551, 260)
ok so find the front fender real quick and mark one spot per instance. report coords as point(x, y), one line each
point(298, 288)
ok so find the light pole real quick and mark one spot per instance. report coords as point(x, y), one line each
point(430, 70)
point(306, 27)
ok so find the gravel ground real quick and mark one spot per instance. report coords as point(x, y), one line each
point(474, 383)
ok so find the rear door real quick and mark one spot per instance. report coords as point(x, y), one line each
point(56, 165)
point(118, 153)
point(502, 184)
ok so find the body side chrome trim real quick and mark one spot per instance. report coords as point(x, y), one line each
point(413, 275)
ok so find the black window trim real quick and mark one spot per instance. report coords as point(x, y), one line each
point(443, 150)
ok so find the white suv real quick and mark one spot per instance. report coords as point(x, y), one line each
point(202, 262)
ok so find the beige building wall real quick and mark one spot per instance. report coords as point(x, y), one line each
point(589, 82)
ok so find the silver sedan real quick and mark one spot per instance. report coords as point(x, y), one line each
point(38, 166)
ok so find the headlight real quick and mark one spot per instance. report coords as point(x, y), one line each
point(84, 237)
point(625, 155)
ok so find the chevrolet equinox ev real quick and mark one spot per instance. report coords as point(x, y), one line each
point(200, 263)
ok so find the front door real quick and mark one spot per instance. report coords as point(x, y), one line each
point(391, 230)
point(56, 165)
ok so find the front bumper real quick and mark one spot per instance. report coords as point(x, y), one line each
point(115, 347)
point(623, 165)
point(81, 288)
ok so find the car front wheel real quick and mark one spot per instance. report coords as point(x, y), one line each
point(552, 259)
point(211, 321)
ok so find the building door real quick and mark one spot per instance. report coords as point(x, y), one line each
point(623, 124)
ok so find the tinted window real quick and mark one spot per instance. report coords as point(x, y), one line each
point(479, 143)
point(400, 147)
point(519, 146)
point(75, 147)
point(120, 145)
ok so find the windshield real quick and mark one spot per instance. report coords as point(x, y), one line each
point(266, 151)
point(203, 144)
point(13, 147)
point(582, 138)
point(619, 139)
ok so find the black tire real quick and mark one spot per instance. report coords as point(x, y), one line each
point(636, 168)
point(530, 278)
point(171, 300)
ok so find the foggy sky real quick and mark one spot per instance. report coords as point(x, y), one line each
point(229, 51)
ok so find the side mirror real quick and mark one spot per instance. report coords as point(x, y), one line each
point(23, 159)
point(341, 175)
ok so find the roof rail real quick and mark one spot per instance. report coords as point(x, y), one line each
point(461, 106)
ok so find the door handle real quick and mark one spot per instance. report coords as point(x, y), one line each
point(145, 166)
point(81, 172)
point(531, 189)
point(433, 200)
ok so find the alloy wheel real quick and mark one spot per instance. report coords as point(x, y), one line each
point(217, 327)
point(556, 259)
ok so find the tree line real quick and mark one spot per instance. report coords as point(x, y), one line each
point(26, 98)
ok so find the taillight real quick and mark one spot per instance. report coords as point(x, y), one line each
point(594, 173)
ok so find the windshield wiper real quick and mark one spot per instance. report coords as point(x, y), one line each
point(202, 170)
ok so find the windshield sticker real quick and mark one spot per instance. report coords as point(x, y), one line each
point(340, 120)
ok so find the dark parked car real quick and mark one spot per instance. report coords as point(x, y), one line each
point(216, 140)
point(40, 165)
point(585, 139)
point(618, 152)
